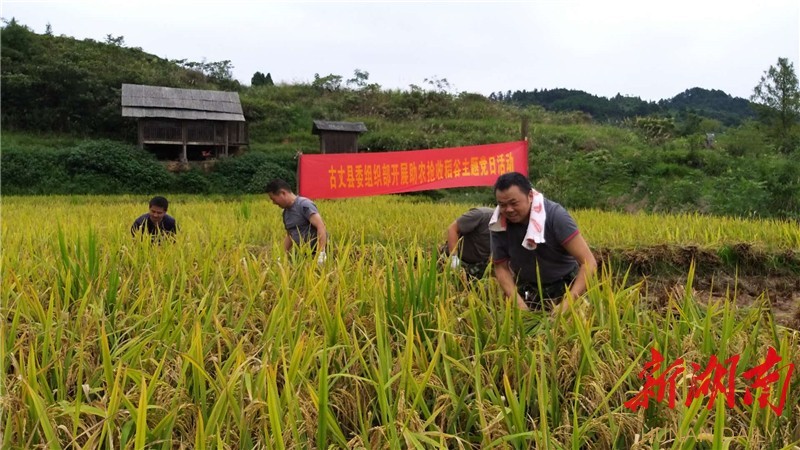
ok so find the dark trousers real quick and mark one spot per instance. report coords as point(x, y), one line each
point(474, 271)
point(537, 298)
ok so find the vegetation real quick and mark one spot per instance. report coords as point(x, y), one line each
point(778, 99)
point(643, 157)
point(684, 107)
point(219, 340)
point(63, 85)
point(108, 167)
point(216, 340)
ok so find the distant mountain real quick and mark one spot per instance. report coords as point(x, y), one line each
point(714, 104)
point(561, 100)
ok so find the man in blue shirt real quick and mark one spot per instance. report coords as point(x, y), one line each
point(156, 222)
point(301, 219)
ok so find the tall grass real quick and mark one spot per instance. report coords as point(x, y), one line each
point(216, 340)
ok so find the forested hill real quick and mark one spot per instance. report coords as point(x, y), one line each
point(714, 104)
point(60, 95)
point(61, 84)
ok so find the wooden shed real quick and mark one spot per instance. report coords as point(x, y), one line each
point(186, 124)
point(338, 137)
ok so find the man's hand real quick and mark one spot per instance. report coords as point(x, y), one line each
point(560, 308)
point(454, 262)
point(322, 258)
point(506, 279)
point(521, 303)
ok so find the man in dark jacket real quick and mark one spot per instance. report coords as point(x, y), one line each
point(156, 222)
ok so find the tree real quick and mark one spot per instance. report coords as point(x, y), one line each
point(777, 99)
point(259, 79)
point(359, 80)
point(118, 41)
point(329, 82)
point(440, 85)
point(217, 72)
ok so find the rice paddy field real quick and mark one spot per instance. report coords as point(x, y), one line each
point(218, 340)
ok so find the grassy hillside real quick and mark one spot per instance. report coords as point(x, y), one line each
point(653, 163)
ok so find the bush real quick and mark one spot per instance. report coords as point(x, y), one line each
point(109, 167)
point(269, 120)
point(32, 172)
point(267, 173)
point(744, 141)
point(91, 167)
point(242, 174)
point(737, 195)
point(192, 182)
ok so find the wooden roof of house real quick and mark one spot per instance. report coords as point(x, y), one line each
point(350, 127)
point(193, 104)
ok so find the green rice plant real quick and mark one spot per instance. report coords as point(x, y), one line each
point(219, 339)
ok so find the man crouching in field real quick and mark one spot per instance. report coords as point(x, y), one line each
point(157, 223)
point(302, 220)
point(537, 251)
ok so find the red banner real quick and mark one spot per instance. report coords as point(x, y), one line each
point(342, 175)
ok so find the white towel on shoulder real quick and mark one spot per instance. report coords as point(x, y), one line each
point(535, 232)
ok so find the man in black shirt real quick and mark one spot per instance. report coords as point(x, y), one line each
point(536, 240)
point(156, 222)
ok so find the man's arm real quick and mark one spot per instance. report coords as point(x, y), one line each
point(171, 226)
point(506, 279)
point(452, 238)
point(287, 242)
point(137, 226)
point(322, 232)
point(579, 250)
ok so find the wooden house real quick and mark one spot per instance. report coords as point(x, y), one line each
point(186, 124)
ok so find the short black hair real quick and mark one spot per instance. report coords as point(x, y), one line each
point(506, 180)
point(277, 185)
point(159, 201)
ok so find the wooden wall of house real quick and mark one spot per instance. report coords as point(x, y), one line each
point(237, 133)
point(198, 132)
point(338, 142)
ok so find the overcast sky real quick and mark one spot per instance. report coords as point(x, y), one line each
point(652, 50)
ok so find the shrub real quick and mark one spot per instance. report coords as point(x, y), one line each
point(38, 171)
point(266, 173)
point(112, 167)
point(91, 167)
point(745, 140)
point(237, 175)
point(192, 182)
